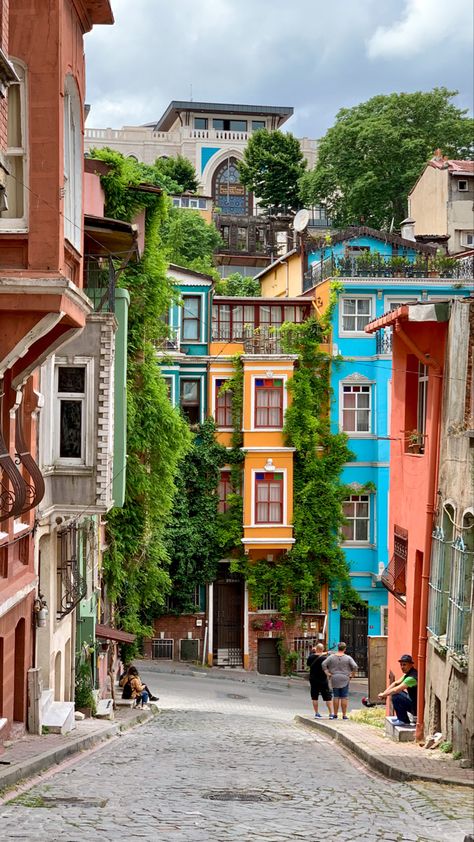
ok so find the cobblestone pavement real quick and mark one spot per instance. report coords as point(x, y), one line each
point(218, 776)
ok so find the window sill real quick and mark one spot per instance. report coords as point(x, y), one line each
point(71, 470)
point(459, 666)
point(439, 646)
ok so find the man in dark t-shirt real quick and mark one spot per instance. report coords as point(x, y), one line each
point(318, 681)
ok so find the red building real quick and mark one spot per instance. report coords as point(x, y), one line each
point(419, 340)
point(42, 304)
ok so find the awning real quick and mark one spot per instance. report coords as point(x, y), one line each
point(108, 633)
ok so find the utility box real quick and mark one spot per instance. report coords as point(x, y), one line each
point(377, 665)
point(188, 650)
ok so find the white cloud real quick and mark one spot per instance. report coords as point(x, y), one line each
point(423, 26)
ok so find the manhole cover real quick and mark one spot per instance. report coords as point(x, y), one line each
point(233, 795)
point(235, 696)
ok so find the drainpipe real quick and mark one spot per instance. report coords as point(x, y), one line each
point(430, 509)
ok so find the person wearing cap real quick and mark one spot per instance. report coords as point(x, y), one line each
point(404, 691)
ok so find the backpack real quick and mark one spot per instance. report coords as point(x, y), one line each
point(127, 690)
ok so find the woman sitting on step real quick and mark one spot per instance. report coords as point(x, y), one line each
point(132, 688)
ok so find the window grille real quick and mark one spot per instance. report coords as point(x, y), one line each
point(268, 602)
point(71, 584)
point(162, 649)
point(439, 586)
point(310, 604)
point(460, 598)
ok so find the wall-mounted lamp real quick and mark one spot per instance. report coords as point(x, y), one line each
point(41, 612)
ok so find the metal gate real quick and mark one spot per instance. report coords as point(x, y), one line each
point(354, 632)
point(228, 620)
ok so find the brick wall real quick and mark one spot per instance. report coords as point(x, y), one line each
point(177, 628)
point(301, 628)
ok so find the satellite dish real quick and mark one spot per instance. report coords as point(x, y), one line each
point(301, 220)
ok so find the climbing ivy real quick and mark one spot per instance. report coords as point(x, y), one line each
point(232, 520)
point(136, 562)
point(316, 558)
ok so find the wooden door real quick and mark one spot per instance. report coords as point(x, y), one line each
point(268, 658)
point(228, 621)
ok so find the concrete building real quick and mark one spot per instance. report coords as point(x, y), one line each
point(42, 304)
point(441, 203)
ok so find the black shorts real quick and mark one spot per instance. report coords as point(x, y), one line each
point(323, 689)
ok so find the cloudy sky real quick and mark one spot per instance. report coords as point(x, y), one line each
point(316, 55)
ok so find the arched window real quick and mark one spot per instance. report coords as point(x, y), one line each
point(227, 191)
point(72, 164)
point(14, 217)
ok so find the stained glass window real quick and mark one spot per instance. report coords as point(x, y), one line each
point(229, 194)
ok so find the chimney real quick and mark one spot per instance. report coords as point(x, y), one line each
point(407, 229)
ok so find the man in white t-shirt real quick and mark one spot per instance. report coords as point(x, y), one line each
point(340, 668)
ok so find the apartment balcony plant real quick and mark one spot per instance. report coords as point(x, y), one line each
point(415, 441)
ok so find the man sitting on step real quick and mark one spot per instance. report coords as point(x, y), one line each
point(403, 691)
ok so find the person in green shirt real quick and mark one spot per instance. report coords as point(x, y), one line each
point(404, 691)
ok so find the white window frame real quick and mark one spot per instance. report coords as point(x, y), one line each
point(284, 501)
point(276, 375)
point(202, 318)
point(72, 205)
point(360, 334)
point(200, 379)
point(365, 542)
point(383, 619)
point(467, 238)
point(87, 400)
point(19, 224)
point(356, 433)
point(463, 189)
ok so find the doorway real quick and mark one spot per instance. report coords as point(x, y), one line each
point(268, 657)
point(228, 619)
point(354, 632)
point(19, 678)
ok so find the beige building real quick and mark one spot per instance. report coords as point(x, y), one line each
point(449, 699)
point(442, 203)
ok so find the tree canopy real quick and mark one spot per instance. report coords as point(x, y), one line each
point(237, 284)
point(370, 159)
point(190, 241)
point(179, 170)
point(272, 167)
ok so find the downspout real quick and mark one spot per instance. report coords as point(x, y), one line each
point(430, 509)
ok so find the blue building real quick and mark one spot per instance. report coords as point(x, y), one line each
point(377, 272)
point(185, 354)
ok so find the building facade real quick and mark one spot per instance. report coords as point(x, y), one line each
point(431, 518)
point(441, 203)
point(42, 304)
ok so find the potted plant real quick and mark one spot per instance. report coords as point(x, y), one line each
point(84, 699)
point(415, 441)
point(399, 265)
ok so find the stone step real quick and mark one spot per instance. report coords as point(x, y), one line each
point(59, 717)
point(105, 709)
point(399, 733)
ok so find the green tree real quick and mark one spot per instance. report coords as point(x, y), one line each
point(271, 168)
point(190, 241)
point(194, 533)
point(237, 284)
point(370, 159)
point(179, 170)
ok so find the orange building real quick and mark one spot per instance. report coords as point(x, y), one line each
point(42, 304)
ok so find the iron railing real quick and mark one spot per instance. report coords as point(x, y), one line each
point(171, 343)
point(71, 584)
point(34, 486)
point(383, 341)
point(374, 265)
point(438, 589)
point(13, 490)
point(460, 598)
point(308, 604)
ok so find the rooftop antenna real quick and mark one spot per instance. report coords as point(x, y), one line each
point(191, 92)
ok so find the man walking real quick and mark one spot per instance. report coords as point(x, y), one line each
point(340, 668)
point(318, 681)
point(404, 691)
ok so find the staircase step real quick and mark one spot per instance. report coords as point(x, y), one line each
point(105, 709)
point(59, 717)
point(399, 733)
point(46, 700)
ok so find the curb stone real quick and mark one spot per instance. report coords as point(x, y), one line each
point(374, 761)
point(25, 769)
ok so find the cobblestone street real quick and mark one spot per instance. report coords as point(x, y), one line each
point(213, 774)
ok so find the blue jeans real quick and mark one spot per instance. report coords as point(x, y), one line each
point(341, 692)
point(403, 705)
point(142, 699)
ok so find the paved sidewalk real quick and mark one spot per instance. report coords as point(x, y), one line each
point(399, 761)
point(31, 754)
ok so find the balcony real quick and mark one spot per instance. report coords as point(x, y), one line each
point(374, 265)
point(170, 344)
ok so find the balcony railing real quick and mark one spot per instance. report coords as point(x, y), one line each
point(99, 282)
point(71, 585)
point(372, 265)
point(170, 344)
point(263, 341)
point(13, 490)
